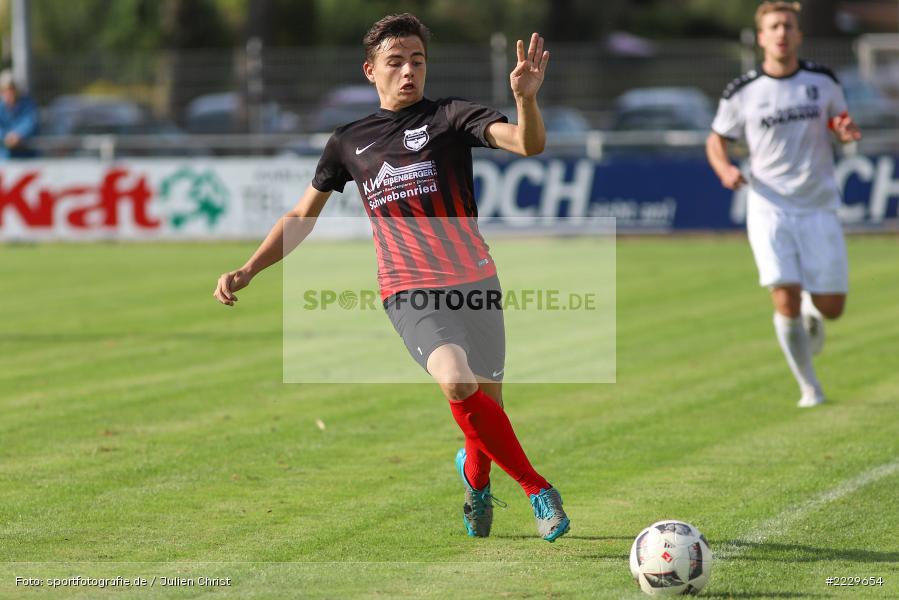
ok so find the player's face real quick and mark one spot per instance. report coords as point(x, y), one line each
point(398, 72)
point(779, 36)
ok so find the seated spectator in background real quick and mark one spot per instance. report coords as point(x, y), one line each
point(18, 119)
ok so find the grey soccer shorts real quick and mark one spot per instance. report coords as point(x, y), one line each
point(469, 315)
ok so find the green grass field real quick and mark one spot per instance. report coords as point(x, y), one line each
point(145, 432)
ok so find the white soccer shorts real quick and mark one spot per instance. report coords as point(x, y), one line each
point(807, 248)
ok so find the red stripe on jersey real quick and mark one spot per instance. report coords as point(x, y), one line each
point(452, 236)
point(420, 245)
point(385, 262)
point(468, 223)
point(404, 268)
point(428, 225)
point(420, 225)
point(458, 221)
point(407, 243)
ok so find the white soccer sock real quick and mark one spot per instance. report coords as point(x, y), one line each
point(794, 342)
point(808, 306)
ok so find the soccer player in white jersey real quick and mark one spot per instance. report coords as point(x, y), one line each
point(788, 111)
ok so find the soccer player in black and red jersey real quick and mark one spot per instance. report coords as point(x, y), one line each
point(411, 161)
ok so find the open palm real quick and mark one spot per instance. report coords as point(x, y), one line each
point(527, 76)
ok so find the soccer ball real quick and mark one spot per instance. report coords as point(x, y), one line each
point(670, 558)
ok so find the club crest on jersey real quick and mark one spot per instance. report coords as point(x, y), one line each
point(415, 139)
point(812, 92)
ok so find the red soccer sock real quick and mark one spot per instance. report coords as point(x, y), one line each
point(477, 465)
point(487, 427)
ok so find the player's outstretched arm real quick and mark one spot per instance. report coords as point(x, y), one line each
point(716, 151)
point(528, 137)
point(286, 235)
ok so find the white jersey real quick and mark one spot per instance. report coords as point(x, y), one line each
point(784, 121)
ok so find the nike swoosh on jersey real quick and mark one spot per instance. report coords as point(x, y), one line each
point(358, 151)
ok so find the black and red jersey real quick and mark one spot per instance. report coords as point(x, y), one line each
point(414, 173)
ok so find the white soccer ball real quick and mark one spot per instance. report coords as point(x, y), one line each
point(670, 558)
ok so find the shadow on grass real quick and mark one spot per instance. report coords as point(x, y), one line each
point(567, 537)
point(122, 336)
point(119, 337)
point(597, 538)
point(760, 595)
point(753, 551)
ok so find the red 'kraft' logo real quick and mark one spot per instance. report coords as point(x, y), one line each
point(95, 206)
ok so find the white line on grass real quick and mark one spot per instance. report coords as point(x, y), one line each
point(783, 521)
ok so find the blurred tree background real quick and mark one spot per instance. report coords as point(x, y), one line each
point(133, 26)
point(164, 53)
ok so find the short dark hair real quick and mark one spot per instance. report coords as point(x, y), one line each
point(394, 26)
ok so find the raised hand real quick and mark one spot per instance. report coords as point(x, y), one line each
point(527, 76)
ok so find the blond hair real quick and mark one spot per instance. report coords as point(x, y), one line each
point(770, 6)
